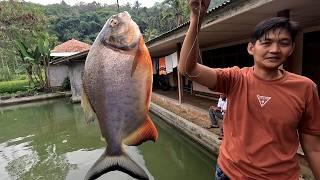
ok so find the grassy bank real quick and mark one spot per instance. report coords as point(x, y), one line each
point(10, 87)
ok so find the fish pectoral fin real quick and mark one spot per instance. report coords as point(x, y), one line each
point(89, 114)
point(147, 131)
point(111, 163)
point(140, 55)
point(135, 61)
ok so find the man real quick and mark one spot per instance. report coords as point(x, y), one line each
point(269, 109)
point(216, 112)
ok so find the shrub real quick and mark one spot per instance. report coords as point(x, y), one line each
point(5, 75)
point(13, 86)
point(22, 77)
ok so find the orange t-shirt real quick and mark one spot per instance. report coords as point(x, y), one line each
point(262, 121)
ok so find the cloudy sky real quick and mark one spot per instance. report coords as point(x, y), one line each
point(146, 3)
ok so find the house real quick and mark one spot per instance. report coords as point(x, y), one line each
point(225, 32)
point(69, 63)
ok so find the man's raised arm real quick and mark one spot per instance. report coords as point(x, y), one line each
point(189, 56)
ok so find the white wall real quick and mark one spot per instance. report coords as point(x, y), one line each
point(57, 74)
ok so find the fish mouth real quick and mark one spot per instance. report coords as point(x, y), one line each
point(121, 32)
point(114, 20)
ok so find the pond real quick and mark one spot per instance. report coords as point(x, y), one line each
point(51, 140)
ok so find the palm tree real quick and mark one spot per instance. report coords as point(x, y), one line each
point(178, 10)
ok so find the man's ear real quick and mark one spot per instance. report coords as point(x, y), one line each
point(250, 48)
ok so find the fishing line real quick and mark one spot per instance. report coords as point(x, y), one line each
point(194, 42)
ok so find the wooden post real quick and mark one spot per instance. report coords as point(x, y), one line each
point(284, 13)
point(294, 62)
point(180, 81)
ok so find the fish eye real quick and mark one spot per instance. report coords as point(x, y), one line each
point(113, 22)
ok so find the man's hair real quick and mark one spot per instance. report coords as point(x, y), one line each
point(272, 24)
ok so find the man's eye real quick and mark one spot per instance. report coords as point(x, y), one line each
point(265, 43)
point(285, 43)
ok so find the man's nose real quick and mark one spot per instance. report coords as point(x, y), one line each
point(275, 48)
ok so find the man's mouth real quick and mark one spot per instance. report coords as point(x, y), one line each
point(273, 58)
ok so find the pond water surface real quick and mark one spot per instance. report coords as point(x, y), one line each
point(51, 140)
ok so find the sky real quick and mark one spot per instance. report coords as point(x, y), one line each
point(145, 3)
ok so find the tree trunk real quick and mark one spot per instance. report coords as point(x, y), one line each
point(29, 73)
point(46, 74)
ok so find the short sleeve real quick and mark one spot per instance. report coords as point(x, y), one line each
point(227, 78)
point(310, 122)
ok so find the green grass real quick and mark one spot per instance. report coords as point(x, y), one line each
point(8, 87)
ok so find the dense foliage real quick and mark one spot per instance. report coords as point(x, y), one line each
point(17, 19)
point(84, 21)
point(24, 24)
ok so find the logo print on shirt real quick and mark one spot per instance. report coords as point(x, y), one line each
point(263, 100)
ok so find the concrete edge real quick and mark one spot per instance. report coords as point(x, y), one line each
point(203, 137)
point(13, 101)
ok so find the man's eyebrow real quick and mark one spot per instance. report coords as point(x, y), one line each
point(285, 39)
point(265, 39)
point(269, 39)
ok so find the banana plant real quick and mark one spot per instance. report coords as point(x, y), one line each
point(26, 58)
point(36, 57)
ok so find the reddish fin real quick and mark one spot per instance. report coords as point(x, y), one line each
point(136, 58)
point(142, 56)
point(147, 131)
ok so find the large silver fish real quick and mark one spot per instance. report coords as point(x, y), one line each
point(117, 85)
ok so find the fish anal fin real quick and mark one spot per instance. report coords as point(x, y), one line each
point(147, 131)
point(89, 114)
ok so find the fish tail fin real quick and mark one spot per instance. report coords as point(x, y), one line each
point(89, 114)
point(112, 163)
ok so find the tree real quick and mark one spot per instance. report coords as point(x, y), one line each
point(35, 59)
point(17, 18)
point(177, 10)
point(150, 34)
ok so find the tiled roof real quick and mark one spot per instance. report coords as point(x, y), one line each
point(71, 46)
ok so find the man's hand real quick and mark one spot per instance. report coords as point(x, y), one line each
point(215, 108)
point(198, 7)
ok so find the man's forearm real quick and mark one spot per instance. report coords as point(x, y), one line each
point(313, 158)
point(190, 51)
point(311, 148)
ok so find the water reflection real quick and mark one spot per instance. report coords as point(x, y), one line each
point(51, 140)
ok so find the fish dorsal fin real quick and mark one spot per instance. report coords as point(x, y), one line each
point(89, 114)
point(138, 56)
point(147, 131)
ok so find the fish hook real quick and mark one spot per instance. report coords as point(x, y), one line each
point(118, 6)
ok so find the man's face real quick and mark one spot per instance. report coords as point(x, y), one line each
point(272, 50)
